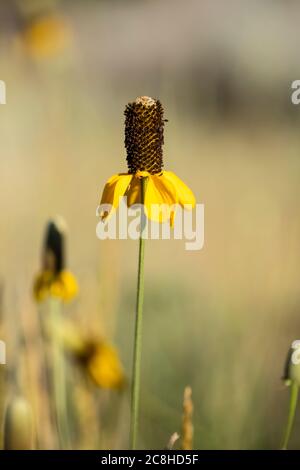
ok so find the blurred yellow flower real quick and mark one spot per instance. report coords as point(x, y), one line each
point(144, 125)
point(45, 36)
point(62, 285)
point(104, 367)
point(54, 280)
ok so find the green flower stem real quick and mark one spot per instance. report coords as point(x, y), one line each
point(291, 415)
point(135, 390)
point(58, 375)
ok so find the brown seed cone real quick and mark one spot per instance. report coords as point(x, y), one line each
point(144, 135)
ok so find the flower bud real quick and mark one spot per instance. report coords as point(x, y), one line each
point(292, 364)
point(18, 425)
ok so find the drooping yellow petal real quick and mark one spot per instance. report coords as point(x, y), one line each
point(185, 195)
point(134, 192)
point(115, 188)
point(170, 196)
point(160, 197)
point(166, 188)
point(163, 192)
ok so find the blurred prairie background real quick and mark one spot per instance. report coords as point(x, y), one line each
point(221, 319)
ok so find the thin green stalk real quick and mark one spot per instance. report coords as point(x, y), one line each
point(59, 376)
point(48, 440)
point(135, 390)
point(291, 415)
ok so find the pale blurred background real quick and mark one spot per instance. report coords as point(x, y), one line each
point(221, 319)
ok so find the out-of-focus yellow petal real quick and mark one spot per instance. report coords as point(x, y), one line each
point(115, 188)
point(68, 285)
point(184, 194)
point(41, 285)
point(62, 285)
point(105, 368)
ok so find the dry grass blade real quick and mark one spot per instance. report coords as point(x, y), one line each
point(187, 420)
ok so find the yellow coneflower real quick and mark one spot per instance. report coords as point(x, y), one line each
point(158, 192)
point(104, 367)
point(54, 280)
point(62, 285)
point(53, 286)
point(144, 126)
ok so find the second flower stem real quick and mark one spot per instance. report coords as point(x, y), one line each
point(59, 376)
point(135, 391)
point(291, 415)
